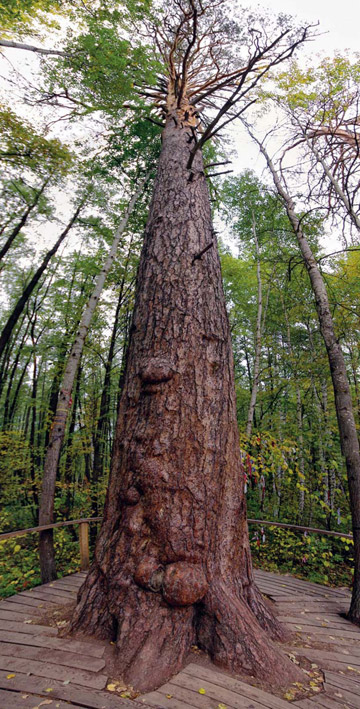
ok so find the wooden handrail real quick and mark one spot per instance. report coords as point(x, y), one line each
point(84, 532)
point(83, 535)
point(89, 520)
point(30, 530)
point(297, 528)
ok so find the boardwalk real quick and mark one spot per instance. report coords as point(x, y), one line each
point(40, 669)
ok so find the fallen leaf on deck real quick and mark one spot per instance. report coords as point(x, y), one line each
point(10, 676)
point(67, 681)
point(290, 694)
point(202, 691)
point(168, 696)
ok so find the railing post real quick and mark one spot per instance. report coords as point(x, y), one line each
point(84, 545)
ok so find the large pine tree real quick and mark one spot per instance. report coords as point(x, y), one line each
point(172, 564)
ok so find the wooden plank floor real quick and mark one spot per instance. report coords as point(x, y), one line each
point(40, 669)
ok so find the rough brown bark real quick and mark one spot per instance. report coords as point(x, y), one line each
point(172, 562)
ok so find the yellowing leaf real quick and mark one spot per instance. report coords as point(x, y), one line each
point(49, 689)
point(168, 696)
point(202, 690)
point(289, 695)
point(111, 687)
point(10, 676)
point(17, 547)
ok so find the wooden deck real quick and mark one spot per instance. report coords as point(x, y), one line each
point(40, 669)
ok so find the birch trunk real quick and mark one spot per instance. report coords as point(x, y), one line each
point(343, 400)
point(257, 336)
point(46, 512)
point(301, 460)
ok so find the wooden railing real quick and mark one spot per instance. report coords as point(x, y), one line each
point(84, 532)
point(83, 535)
point(312, 530)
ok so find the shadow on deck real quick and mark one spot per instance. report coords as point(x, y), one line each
point(40, 669)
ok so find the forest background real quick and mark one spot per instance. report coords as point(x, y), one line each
point(77, 139)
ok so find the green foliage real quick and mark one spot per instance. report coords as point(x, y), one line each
point(322, 90)
point(102, 65)
point(19, 15)
point(313, 557)
point(19, 561)
point(21, 144)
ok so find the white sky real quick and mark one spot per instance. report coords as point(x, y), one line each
point(339, 31)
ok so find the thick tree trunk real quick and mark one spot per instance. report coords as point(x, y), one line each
point(57, 433)
point(172, 562)
point(343, 400)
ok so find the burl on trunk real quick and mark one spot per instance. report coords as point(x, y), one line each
point(172, 563)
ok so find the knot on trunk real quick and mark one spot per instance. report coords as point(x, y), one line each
point(131, 496)
point(184, 584)
point(149, 574)
point(157, 370)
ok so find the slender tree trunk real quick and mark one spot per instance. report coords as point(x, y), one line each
point(104, 412)
point(13, 372)
point(103, 422)
point(69, 478)
point(46, 512)
point(257, 336)
point(15, 397)
point(354, 369)
point(172, 562)
point(19, 307)
point(33, 415)
point(299, 417)
point(343, 400)
point(21, 223)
